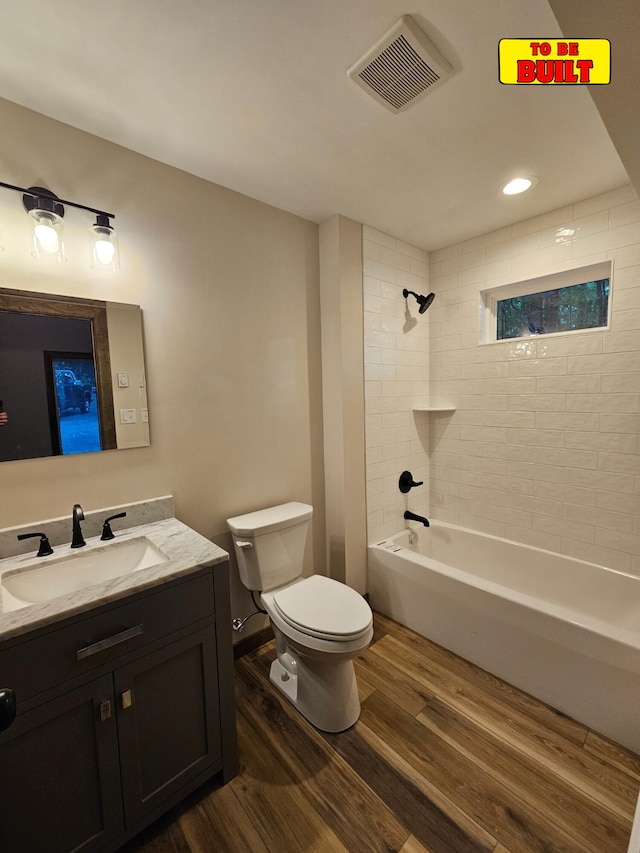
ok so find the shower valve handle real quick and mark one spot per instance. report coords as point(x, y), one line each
point(406, 482)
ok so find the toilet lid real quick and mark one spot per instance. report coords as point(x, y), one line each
point(324, 608)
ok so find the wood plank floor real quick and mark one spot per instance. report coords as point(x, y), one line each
point(445, 758)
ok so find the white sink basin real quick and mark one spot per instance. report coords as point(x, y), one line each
point(35, 583)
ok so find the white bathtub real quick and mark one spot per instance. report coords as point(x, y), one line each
point(566, 631)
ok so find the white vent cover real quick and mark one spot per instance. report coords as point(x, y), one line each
point(402, 67)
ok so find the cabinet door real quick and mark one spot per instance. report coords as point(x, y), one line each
point(168, 721)
point(59, 775)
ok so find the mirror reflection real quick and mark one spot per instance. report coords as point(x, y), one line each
point(72, 376)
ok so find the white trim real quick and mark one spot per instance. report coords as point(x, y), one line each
point(488, 299)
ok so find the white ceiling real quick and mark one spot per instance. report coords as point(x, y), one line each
point(253, 95)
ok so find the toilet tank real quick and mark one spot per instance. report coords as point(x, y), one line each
point(269, 544)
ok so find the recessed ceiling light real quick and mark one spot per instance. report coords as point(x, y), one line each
point(519, 185)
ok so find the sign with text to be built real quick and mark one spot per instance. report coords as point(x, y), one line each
point(573, 61)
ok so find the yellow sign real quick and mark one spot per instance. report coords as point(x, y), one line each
point(564, 61)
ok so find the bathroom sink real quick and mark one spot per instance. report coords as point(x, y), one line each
point(39, 582)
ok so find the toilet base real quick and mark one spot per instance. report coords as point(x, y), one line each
point(326, 694)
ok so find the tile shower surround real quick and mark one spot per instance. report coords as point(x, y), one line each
point(396, 372)
point(544, 446)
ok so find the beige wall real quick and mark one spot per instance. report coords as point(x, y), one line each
point(231, 314)
point(343, 396)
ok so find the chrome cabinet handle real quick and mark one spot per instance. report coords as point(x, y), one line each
point(109, 642)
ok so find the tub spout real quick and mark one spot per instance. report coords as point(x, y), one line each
point(411, 516)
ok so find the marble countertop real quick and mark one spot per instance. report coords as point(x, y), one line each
point(186, 551)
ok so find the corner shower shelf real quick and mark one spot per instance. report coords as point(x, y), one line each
point(434, 408)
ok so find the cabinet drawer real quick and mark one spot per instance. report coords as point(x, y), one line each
point(99, 638)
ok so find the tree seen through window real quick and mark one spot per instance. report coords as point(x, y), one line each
point(579, 306)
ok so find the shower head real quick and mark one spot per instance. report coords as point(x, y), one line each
point(423, 301)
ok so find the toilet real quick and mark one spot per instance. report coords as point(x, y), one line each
point(319, 624)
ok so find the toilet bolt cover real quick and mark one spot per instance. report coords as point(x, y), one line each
point(322, 604)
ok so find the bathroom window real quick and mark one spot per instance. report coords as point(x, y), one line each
point(571, 301)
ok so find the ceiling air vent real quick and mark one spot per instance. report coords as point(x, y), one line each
point(402, 67)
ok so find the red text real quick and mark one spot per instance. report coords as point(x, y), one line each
point(554, 70)
point(564, 48)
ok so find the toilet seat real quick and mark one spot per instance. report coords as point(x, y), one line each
point(324, 608)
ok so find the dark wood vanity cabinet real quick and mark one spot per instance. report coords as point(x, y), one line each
point(59, 775)
point(171, 730)
point(122, 711)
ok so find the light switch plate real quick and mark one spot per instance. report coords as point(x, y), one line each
point(123, 380)
point(127, 416)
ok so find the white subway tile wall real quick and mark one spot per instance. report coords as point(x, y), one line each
point(396, 365)
point(544, 445)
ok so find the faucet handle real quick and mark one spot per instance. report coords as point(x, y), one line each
point(44, 549)
point(406, 482)
point(107, 532)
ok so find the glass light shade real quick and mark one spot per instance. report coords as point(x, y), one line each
point(47, 236)
point(104, 247)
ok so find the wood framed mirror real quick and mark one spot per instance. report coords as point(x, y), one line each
point(59, 385)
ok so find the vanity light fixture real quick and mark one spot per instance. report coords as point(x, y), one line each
point(519, 185)
point(104, 245)
point(47, 211)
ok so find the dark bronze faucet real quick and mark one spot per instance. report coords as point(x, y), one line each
point(77, 540)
